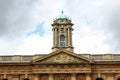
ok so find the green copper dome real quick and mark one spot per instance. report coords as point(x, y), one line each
point(62, 16)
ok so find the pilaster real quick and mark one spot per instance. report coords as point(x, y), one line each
point(50, 76)
point(4, 76)
point(110, 77)
point(88, 77)
point(26, 76)
point(99, 75)
point(73, 76)
point(66, 40)
point(56, 41)
point(53, 37)
point(68, 37)
point(36, 77)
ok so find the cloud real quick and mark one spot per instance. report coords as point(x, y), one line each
point(39, 30)
point(35, 44)
point(113, 26)
point(15, 21)
point(14, 18)
point(18, 18)
point(96, 26)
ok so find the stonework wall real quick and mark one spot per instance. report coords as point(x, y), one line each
point(19, 72)
point(104, 67)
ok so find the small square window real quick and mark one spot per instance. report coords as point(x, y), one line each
point(62, 20)
point(62, 29)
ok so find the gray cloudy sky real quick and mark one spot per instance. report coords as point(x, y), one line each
point(25, 25)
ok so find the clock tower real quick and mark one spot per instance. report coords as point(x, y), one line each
point(62, 33)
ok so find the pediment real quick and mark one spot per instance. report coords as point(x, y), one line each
point(61, 57)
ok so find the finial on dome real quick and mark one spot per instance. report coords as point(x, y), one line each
point(62, 16)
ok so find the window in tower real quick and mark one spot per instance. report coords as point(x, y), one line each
point(62, 41)
point(62, 20)
point(62, 29)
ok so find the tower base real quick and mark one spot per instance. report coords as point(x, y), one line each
point(71, 49)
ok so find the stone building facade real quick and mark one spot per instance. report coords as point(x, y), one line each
point(62, 63)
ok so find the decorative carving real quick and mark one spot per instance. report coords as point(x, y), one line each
point(43, 77)
point(62, 77)
point(62, 58)
point(80, 76)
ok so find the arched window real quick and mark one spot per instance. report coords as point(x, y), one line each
point(99, 79)
point(62, 41)
point(118, 79)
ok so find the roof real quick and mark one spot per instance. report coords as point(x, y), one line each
point(62, 16)
point(62, 56)
point(29, 58)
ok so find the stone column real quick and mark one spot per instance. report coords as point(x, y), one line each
point(50, 76)
point(36, 77)
point(73, 77)
point(26, 76)
point(68, 36)
point(88, 77)
point(99, 75)
point(110, 76)
point(53, 37)
point(5, 76)
point(56, 37)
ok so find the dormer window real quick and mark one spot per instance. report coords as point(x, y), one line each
point(62, 20)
